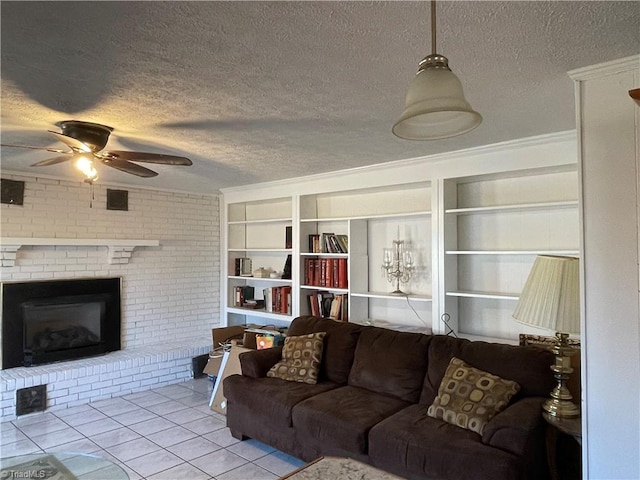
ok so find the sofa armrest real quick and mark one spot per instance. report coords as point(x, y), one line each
point(257, 363)
point(513, 428)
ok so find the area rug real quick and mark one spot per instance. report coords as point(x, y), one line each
point(42, 468)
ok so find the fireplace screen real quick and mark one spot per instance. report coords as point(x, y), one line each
point(71, 322)
point(54, 320)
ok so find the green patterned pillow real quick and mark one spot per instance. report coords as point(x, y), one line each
point(301, 357)
point(469, 398)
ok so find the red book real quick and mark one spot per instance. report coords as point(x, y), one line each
point(342, 273)
point(307, 271)
point(275, 296)
point(314, 306)
point(284, 294)
point(316, 271)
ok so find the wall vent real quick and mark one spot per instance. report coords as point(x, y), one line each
point(12, 191)
point(31, 399)
point(117, 199)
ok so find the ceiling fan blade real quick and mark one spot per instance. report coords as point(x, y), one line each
point(52, 161)
point(145, 157)
point(128, 167)
point(74, 144)
point(54, 150)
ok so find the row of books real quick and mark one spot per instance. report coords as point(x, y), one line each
point(329, 305)
point(326, 272)
point(328, 243)
point(244, 296)
point(276, 299)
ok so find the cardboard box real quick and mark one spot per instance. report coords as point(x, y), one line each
point(223, 334)
point(222, 364)
point(213, 364)
point(230, 366)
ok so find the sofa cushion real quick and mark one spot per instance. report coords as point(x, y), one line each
point(340, 419)
point(428, 448)
point(339, 345)
point(390, 362)
point(301, 357)
point(527, 366)
point(269, 399)
point(469, 397)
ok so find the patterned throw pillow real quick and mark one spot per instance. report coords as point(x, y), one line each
point(301, 357)
point(469, 398)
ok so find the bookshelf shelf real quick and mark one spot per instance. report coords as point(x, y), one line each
point(368, 217)
point(261, 221)
point(388, 296)
point(492, 295)
point(513, 208)
point(259, 279)
point(258, 312)
point(324, 289)
point(513, 252)
point(263, 250)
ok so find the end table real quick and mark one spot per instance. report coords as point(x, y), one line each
point(556, 426)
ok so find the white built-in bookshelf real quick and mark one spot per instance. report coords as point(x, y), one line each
point(493, 228)
point(256, 230)
point(475, 222)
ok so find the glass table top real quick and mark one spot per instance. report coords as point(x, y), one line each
point(60, 466)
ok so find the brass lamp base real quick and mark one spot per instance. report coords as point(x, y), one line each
point(561, 408)
point(560, 404)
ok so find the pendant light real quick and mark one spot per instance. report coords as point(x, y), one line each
point(435, 106)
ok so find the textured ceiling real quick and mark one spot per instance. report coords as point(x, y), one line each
point(258, 91)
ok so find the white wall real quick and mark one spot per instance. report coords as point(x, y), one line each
point(611, 333)
point(169, 293)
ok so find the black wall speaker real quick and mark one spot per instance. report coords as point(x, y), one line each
point(12, 191)
point(117, 199)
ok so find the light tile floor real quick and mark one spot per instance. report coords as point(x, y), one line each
point(164, 434)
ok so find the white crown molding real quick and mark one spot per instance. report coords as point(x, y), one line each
point(607, 68)
point(411, 163)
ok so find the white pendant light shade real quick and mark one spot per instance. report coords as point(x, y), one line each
point(435, 106)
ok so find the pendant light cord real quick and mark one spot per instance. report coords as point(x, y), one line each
point(433, 26)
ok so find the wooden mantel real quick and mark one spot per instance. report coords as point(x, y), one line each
point(119, 250)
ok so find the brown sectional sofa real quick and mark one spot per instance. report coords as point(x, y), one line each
point(370, 403)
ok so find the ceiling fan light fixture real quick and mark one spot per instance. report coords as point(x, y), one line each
point(435, 105)
point(93, 135)
point(87, 168)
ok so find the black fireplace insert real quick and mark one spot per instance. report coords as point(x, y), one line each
point(50, 321)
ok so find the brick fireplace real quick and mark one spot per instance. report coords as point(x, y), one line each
point(169, 285)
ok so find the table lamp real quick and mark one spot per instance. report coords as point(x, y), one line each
point(550, 300)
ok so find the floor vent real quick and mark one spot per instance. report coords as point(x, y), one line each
point(31, 399)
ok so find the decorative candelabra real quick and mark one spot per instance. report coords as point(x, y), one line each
point(398, 265)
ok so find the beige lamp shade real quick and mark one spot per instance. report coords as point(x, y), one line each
point(550, 297)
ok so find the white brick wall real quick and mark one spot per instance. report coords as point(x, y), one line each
point(88, 380)
point(169, 293)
